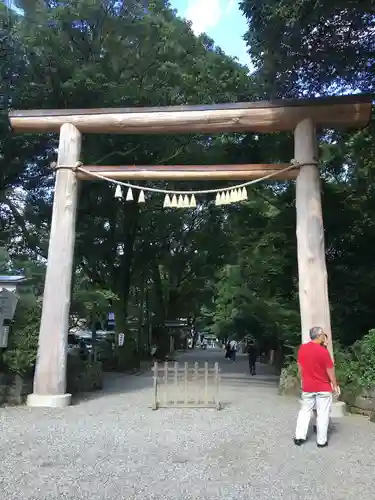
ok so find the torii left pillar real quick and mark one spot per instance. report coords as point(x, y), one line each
point(50, 372)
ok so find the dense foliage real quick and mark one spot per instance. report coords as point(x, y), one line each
point(308, 46)
point(301, 49)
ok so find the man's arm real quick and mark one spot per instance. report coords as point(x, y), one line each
point(299, 372)
point(299, 354)
point(332, 377)
point(331, 372)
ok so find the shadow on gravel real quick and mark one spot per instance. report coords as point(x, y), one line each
point(117, 383)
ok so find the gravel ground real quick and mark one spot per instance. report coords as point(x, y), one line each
point(112, 446)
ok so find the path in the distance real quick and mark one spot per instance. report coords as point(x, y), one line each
point(112, 446)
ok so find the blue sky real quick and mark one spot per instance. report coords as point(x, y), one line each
point(222, 20)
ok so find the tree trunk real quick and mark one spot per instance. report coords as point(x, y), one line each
point(123, 280)
point(159, 297)
point(141, 313)
point(94, 338)
point(149, 319)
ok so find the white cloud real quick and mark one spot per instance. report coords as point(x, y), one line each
point(230, 6)
point(205, 14)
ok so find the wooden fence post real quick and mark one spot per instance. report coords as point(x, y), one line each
point(196, 381)
point(50, 372)
point(312, 271)
point(166, 382)
point(155, 388)
point(176, 379)
point(186, 378)
point(206, 382)
point(217, 386)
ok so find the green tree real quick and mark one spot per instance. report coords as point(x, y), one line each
point(311, 46)
point(89, 54)
point(256, 291)
point(300, 49)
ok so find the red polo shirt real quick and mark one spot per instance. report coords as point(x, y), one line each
point(314, 361)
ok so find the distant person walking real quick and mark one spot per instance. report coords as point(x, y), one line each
point(252, 355)
point(318, 380)
point(227, 351)
point(233, 350)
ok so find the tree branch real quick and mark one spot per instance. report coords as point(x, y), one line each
point(31, 240)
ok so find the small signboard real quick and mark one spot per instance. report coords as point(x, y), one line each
point(121, 339)
point(8, 304)
point(111, 321)
point(4, 334)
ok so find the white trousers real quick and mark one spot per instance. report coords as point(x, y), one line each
point(323, 403)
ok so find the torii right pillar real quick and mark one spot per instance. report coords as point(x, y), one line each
point(312, 270)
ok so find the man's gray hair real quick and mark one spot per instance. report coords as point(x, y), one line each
point(315, 331)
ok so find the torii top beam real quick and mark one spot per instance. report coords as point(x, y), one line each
point(339, 112)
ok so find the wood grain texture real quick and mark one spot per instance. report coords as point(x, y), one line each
point(334, 112)
point(50, 373)
point(312, 271)
point(189, 172)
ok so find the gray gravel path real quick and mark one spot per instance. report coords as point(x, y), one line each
point(112, 446)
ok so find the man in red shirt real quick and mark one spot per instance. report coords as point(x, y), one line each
point(318, 380)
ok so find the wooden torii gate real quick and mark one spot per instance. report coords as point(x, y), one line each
point(302, 116)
